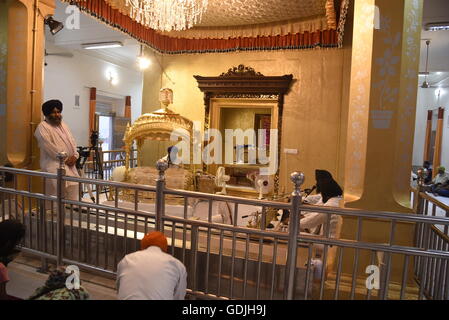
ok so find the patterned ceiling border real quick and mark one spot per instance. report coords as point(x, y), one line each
point(170, 45)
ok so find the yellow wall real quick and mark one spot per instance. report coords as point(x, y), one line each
point(313, 116)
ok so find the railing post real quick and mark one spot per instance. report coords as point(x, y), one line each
point(42, 236)
point(422, 173)
point(59, 195)
point(161, 166)
point(293, 230)
point(420, 228)
point(193, 255)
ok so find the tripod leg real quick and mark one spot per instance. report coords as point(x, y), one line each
point(99, 164)
point(88, 186)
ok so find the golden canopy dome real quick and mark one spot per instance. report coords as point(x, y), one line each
point(158, 125)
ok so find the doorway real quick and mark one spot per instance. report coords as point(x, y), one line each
point(105, 132)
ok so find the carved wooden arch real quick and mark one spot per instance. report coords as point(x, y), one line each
point(245, 82)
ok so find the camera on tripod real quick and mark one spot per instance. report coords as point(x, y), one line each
point(86, 152)
point(94, 139)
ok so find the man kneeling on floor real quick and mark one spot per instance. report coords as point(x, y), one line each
point(151, 273)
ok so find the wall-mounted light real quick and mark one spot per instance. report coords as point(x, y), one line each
point(112, 77)
point(142, 61)
point(102, 45)
point(55, 26)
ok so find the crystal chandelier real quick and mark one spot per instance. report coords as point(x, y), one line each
point(167, 15)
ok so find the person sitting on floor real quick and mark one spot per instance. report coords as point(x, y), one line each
point(442, 190)
point(428, 177)
point(440, 179)
point(151, 273)
point(329, 194)
point(56, 288)
point(11, 233)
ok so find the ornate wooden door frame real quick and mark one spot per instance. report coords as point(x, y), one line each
point(244, 82)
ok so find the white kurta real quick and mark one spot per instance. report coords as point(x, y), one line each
point(312, 220)
point(151, 274)
point(52, 140)
point(441, 178)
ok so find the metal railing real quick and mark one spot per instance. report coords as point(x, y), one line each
point(110, 160)
point(432, 273)
point(231, 261)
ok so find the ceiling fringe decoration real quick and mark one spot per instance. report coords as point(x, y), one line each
point(327, 37)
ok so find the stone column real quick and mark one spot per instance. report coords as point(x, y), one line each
point(428, 134)
point(384, 79)
point(381, 119)
point(24, 78)
point(127, 107)
point(3, 64)
point(92, 108)
point(438, 141)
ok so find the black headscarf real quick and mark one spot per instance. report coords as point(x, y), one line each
point(49, 105)
point(326, 185)
point(11, 232)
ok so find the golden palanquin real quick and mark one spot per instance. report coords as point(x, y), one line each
point(160, 125)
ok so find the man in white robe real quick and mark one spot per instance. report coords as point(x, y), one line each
point(151, 273)
point(54, 136)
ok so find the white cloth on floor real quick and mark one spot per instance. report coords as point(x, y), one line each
point(151, 274)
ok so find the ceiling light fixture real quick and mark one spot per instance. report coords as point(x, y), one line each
point(102, 45)
point(55, 26)
point(167, 15)
point(142, 60)
point(437, 26)
point(425, 84)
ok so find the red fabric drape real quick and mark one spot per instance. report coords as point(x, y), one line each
point(101, 10)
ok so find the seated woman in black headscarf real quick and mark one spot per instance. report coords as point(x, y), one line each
point(11, 233)
point(329, 194)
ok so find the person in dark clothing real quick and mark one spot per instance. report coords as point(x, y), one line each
point(11, 233)
point(428, 177)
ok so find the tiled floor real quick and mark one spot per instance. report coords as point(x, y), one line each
point(24, 279)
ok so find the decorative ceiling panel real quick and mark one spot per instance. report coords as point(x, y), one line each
point(222, 13)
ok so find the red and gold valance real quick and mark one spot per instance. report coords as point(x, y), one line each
point(326, 37)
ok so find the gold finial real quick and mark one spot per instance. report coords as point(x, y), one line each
point(166, 97)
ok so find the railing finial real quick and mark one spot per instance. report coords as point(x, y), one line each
point(298, 179)
point(61, 157)
point(161, 166)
